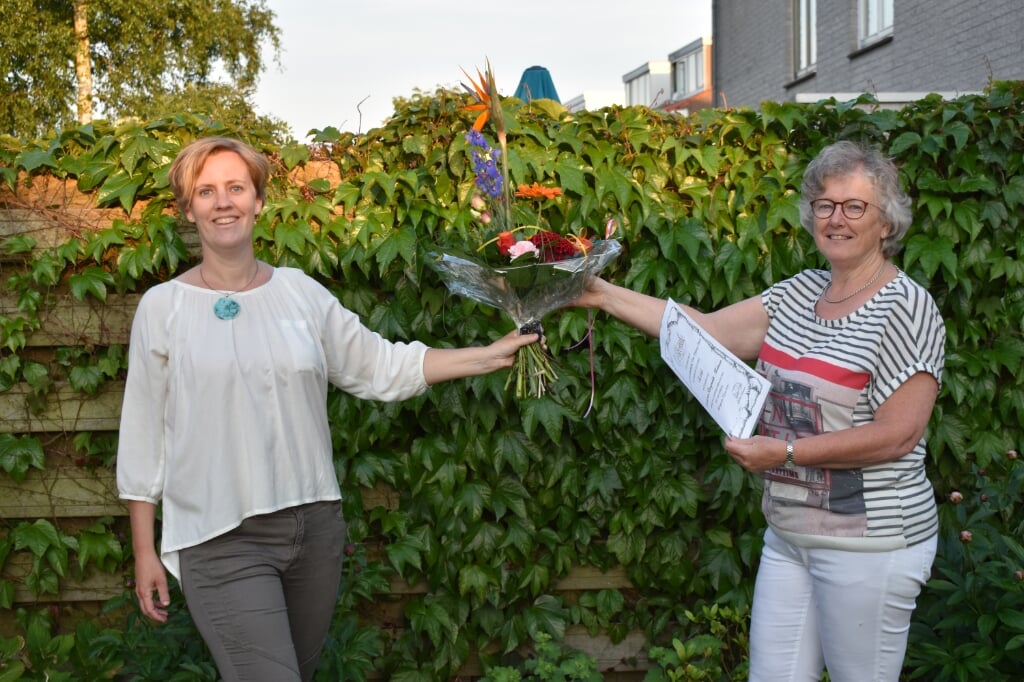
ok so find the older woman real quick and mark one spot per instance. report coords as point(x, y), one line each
point(854, 355)
point(225, 423)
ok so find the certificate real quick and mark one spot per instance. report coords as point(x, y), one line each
point(731, 392)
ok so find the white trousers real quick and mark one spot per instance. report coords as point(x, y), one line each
point(848, 612)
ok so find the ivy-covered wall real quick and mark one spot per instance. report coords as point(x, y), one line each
point(486, 504)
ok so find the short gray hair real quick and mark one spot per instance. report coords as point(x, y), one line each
point(846, 158)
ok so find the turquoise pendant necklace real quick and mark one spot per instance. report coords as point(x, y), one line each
point(225, 307)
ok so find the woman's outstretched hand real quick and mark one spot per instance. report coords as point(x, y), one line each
point(593, 292)
point(444, 364)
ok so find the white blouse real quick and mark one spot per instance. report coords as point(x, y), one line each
point(227, 419)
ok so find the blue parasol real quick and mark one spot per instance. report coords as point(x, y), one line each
point(536, 83)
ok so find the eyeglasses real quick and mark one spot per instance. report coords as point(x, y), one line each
point(851, 208)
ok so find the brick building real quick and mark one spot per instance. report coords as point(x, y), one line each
point(898, 50)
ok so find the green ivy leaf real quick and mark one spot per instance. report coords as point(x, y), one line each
point(17, 244)
point(120, 187)
point(609, 604)
point(93, 280)
point(293, 237)
point(400, 242)
point(931, 252)
point(471, 499)
point(475, 579)
point(535, 578)
point(546, 616)
point(405, 552)
point(720, 564)
point(38, 537)
point(509, 494)
point(86, 378)
point(550, 414)
point(430, 618)
point(294, 154)
point(138, 148)
point(20, 453)
point(34, 159)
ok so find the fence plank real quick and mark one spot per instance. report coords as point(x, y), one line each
point(61, 492)
point(70, 322)
point(579, 579)
point(65, 410)
point(94, 586)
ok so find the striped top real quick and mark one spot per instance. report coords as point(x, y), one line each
point(829, 375)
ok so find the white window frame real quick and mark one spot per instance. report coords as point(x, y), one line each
point(638, 90)
point(688, 71)
point(874, 20)
point(805, 35)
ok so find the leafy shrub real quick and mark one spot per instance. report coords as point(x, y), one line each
point(714, 648)
point(495, 502)
point(969, 623)
point(551, 662)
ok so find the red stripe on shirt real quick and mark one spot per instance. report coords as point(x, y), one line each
point(842, 376)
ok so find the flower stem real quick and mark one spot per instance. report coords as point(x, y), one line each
point(531, 372)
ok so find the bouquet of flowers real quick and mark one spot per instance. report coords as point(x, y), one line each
point(520, 266)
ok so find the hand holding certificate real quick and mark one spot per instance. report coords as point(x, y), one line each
point(731, 392)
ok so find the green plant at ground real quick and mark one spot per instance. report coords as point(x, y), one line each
point(353, 649)
point(549, 662)
point(969, 623)
point(43, 655)
point(168, 652)
point(714, 647)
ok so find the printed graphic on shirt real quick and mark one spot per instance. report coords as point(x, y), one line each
point(810, 396)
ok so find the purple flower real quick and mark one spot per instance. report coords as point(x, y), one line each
point(476, 139)
point(485, 165)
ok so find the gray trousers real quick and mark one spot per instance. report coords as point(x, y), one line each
point(263, 595)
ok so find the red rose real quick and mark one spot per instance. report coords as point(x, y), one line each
point(505, 242)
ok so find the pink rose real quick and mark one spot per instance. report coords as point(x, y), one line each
point(522, 248)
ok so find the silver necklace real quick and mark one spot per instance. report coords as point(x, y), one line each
point(828, 286)
point(225, 307)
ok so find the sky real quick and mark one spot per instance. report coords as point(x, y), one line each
point(343, 61)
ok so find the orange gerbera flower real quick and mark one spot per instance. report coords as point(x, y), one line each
point(538, 191)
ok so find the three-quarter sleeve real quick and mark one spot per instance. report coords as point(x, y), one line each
point(141, 450)
point(365, 364)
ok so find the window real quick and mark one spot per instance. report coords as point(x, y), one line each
point(638, 91)
point(875, 20)
point(688, 74)
point(806, 38)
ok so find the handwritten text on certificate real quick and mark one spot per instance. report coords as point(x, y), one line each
point(731, 392)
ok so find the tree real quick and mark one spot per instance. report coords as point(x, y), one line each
point(130, 58)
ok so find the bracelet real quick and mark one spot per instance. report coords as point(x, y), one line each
point(789, 463)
